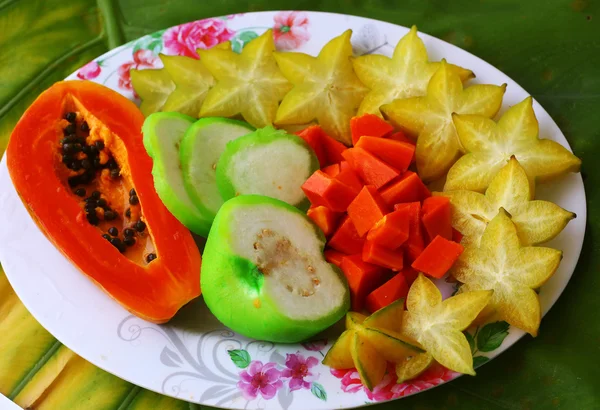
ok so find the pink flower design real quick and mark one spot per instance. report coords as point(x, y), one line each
point(141, 59)
point(260, 379)
point(290, 30)
point(184, 39)
point(89, 71)
point(315, 345)
point(298, 370)
point(388, 389)
point(232, 16)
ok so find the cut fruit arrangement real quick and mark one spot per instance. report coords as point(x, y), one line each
point(303, 229)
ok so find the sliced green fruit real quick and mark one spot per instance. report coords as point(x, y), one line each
point(325, 88)
point(153, 86)
point(264, 274)
point(354, 320)
point(339, 356)
point(163, 133)
point(412, 366)
point(267, 162)
point(391, 347)
point(200, 150)
point(387, 318)
point(371, 366)
point(249, 83)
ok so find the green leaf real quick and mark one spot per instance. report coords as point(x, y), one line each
point(490, 336)
point(479, 360)
point(241, 39)
point(236, 45)
point(471, 341)
point(318, 391)
point(247, 36)
point(239, 357)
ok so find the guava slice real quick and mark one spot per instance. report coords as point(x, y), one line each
point(264, 274)
point(163, 132)
point(201, 147)
point(267, 162)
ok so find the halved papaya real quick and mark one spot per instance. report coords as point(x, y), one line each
point(77, 160)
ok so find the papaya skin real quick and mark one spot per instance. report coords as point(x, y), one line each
point(234, 287)
point(153, 291)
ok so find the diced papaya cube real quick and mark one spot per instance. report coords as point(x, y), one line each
point(401, 137)
point(392, 230)
point(332, 170)
point(324, 218)
point(407, 188)
point(313, 136)
point(438, 257)
point(346, 239)
point(437, 217)
point(333, 256)
point(456, 236)
point(323, 190)
point(362, 278)
point(333, 149)
point(392, 290)
point(366, 209)
point(395, 153)
point(415, 243)
point(369, 168)
point(384, 257)
point(410, 275)
point(349, 177)
point(369, 125)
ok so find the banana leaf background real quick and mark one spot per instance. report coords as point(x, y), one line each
point(550, 47)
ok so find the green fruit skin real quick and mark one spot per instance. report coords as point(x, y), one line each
point(261, 136)
point(186, 156)
point(232, 285)
point(186, 213)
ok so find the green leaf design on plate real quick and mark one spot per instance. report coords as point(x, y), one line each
point(241, 39)
point(471, 341)
point(318, 391)
point(479, 360)
point(239, 357)
point(491, 336)
point(153, 43)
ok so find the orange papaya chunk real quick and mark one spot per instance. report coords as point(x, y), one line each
point(415, 243)
point(401, 137)
point(333, 256)
point(392, 230)
point(366, 209)
point(407, 188)
point(437, 217)
point(438, 257)
point(369, 168)
point(362, 278)
point(346, 239)
point(391, 291)
point(382, 256)
point(313, 136)
point(324, 218)
point(323, 190)
point(395, 153)
point(369, 125)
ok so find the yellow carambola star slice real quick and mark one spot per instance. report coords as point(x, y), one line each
point(501, 264)
point(325, 88)
point(430, 118)
point(153, 87)
point(536, 221)
point(490, 145)
point(404, 75)
point(249, 83)
point(437, 325)
point(192, 82)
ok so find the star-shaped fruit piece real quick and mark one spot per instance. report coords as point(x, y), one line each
point(404, 75)
point(536, 221)
point(325, 88)
point(249, 83)
point(192, 82)
point(512, 271)
point(153, 86)
point(368, 343)
point(489, 145)
point(430, 118)
point(437, 325)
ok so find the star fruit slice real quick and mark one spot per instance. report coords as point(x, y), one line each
point(404, 75)
point(325, 88)
point(437, 325)
point(192, 82)
point(368, 344)
point(430, 118)
point(412, 366)
point(536, 221)
point(489, 145)
point(153, 86)
point(512, 271)
point(249, 83)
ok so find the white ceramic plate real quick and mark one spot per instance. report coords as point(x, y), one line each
point(194, 357)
